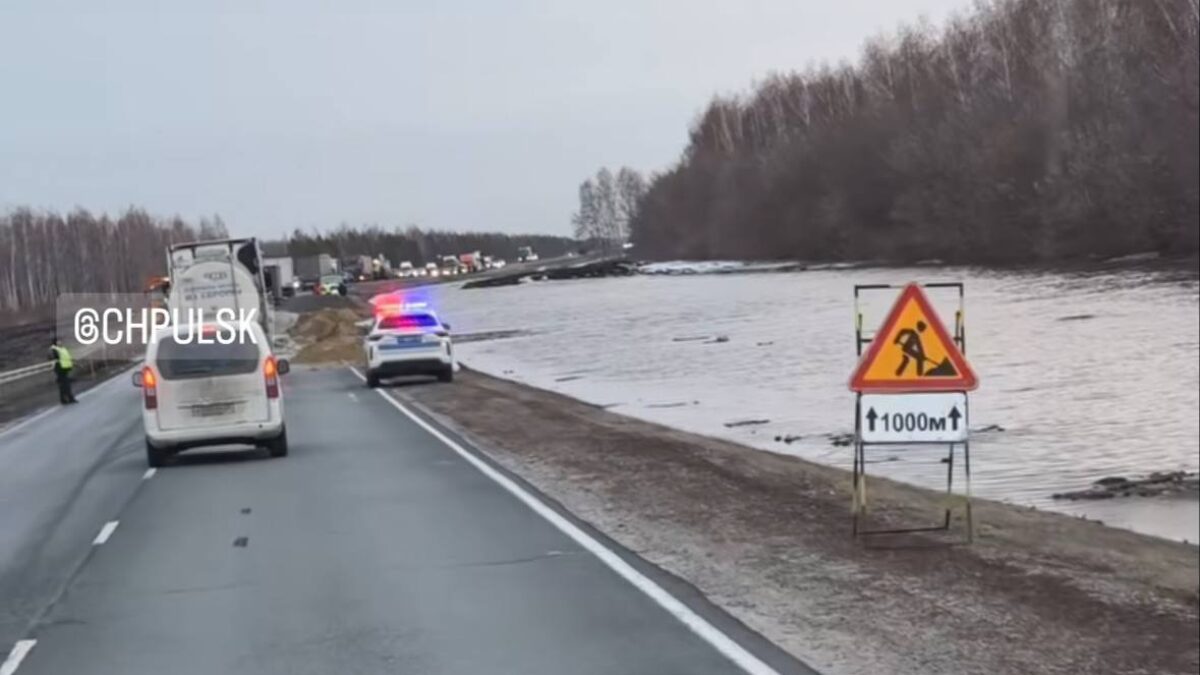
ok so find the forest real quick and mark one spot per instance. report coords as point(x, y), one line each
point(44, 254)
point(1021, 132)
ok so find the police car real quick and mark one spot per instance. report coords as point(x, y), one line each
point(408, 339)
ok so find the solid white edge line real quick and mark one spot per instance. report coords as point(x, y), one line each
point(724, 644)
point(19, 651)
point(149, 473)
point(20, 424)
point(27, 421)
point(105, 532)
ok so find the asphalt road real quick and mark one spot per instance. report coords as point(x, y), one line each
point(373, 548)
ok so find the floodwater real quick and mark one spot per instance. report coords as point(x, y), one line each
point(1086, 375)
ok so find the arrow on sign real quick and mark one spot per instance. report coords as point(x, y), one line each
point(871, 417)
point(954, 417)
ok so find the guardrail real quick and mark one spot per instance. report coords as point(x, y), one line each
point(21, 373)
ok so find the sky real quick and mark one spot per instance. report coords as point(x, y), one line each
point(460, 115)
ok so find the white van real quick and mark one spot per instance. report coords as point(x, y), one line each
point(202, 392)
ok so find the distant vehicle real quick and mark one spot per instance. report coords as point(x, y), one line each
point(223, 274)
point(279, 277)
point(431, 270)
point(498, 263)
point(526, 254)
point(406, 270)
point(358, 266)
point(450, 265)
point(471, 262)
point(408, 340)
point(331, 284)
point(310, 268)
point(201, 392)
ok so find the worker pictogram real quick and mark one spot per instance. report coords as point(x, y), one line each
point(912, 351)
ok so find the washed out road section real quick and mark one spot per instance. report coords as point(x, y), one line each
point(372, 548)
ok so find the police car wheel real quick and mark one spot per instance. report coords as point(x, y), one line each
point(446, 375)
point(155, 457)
point(372, 380)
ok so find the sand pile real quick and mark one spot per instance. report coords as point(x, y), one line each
point(329, 335)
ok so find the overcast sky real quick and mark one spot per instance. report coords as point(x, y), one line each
point(456, 115)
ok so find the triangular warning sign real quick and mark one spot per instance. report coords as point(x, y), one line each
point(912, 351)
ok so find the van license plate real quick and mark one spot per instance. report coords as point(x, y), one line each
point(212, 410)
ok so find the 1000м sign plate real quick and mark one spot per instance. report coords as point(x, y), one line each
point(913, 418)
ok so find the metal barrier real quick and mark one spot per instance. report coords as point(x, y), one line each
point(22, 373)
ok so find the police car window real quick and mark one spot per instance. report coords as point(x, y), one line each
point(181, 360)
point(408, 321)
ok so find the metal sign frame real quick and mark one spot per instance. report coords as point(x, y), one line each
point(859, 527)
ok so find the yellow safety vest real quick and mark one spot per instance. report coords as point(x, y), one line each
point(64, 357)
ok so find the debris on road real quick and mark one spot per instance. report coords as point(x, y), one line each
point(588, 270)
point(745, 423)
point(329, 335)
point(1159, 483)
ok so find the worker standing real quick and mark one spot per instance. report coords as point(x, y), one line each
point(62, 371)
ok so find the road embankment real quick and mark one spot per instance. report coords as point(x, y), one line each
point(767, 537)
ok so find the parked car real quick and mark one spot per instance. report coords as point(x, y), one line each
point(331, 284)
point(408, 341)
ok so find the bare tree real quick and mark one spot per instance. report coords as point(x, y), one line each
point(631, 187)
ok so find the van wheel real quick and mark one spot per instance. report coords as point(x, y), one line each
point(372, 380)
point(278, 446)
point(446, 375)
point(154, 456)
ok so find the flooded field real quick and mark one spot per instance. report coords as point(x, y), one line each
point(1082, 375)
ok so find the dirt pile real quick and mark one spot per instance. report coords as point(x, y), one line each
point(329, 335)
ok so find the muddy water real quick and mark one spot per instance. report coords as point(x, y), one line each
point(1088, 375)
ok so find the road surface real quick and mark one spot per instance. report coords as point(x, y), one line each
point(376, 547)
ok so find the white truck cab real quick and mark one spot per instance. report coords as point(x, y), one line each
point(211, 389)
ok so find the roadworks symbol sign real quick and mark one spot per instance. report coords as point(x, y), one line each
point(912, 352)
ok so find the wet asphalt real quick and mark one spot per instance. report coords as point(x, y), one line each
point(372, 548)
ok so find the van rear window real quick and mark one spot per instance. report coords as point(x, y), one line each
point(182, 360)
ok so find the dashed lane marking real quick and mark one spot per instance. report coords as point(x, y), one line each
point(16, 656)
point(105, 532)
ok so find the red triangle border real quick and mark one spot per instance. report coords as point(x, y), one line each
point(966, 381)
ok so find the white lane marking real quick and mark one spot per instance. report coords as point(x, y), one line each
point(353, 396)
point(724, 644)
point(149, 473)
point(105, 532)
point(28, 420)
point(16, 656)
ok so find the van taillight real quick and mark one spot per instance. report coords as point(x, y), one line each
point(149, 388)
point(271, 376)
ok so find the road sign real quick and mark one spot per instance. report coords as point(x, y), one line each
point(912, 352)
point(913, 418)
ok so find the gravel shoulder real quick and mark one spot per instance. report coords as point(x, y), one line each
point(767, 537)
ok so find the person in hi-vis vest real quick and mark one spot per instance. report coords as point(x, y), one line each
point(62, 371)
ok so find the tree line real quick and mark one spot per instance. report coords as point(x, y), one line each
point(1024, 131)
point(608, 205)
point(416, 245)
point(44, 254)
